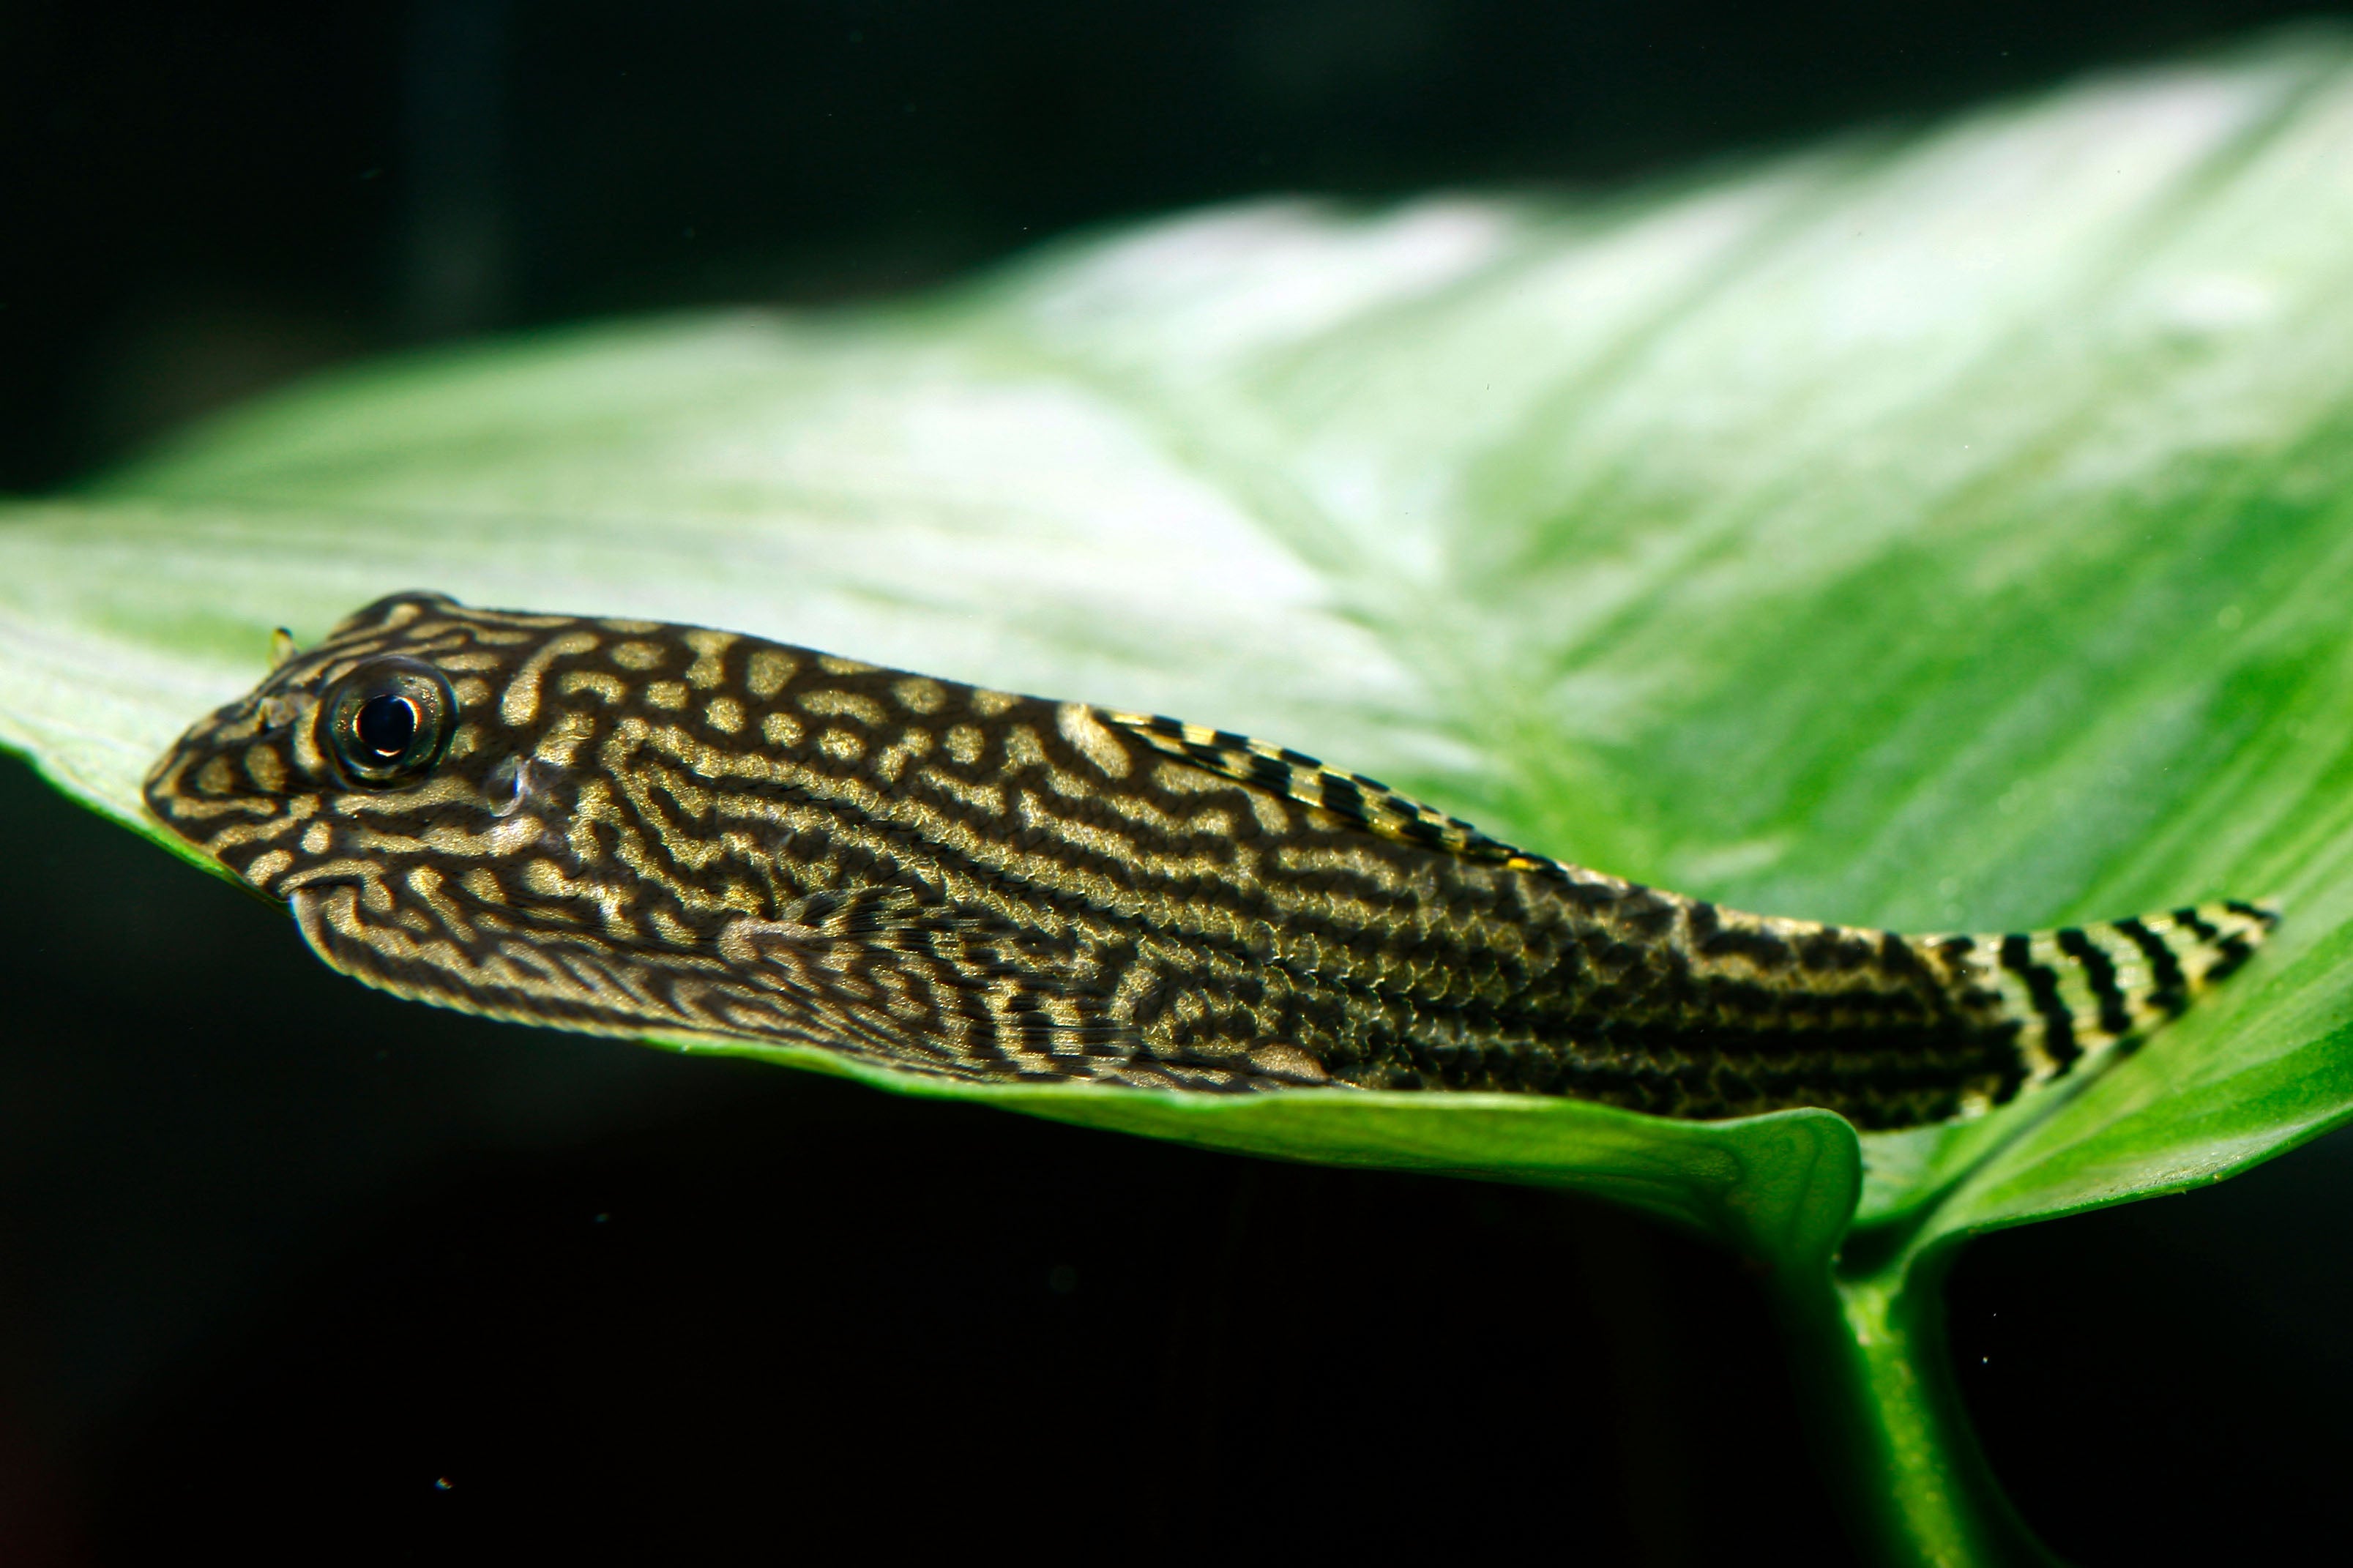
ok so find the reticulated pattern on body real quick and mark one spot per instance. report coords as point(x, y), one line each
point(631, 826)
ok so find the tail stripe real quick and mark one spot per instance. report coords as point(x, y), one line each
point(2196, 924)
point(2080, 993)
point(2101, 971)
point(2043, 986)
point(2230, 952)
point(2233, 952)
point(2172, 991)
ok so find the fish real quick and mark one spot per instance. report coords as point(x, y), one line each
point(633, 827)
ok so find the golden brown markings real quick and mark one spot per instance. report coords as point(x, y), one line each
point(464, 663)
point(1096, 839)
point(683, 745)
point(266, 768)
point(318, 839)
point(1022, 748)
point(326, 666)
point(266, 866)
point(709, 665)
point(533, 620)
point(471, 691)
point(368, 873)
point(217, 777)
point(564, 921)
point(724, 714)
point(611, 687)
point(1181, 778)
point(1215, 820)
point(442, 641)
point(186, 809)
point(1356, 860)
point(744, 937)
point(561, 743)
point(965, 743)
point(637, 656)
point(426, 883)
point(740, 846)
point(239, 835)
point(307, 755)
point(630, 628)
point(1147, 814)
point(1138, 981)
point(359, 835)
point(991, 704)
point(1088, 736)
point(892, 761)
point(511, 837)
point(919, 694)
point(1014, 880)
point(765, 672)
point(834, 664)
point(448, 789)
point(1273, 819)
point(830, 703)
point(483, 883)
point(1349, 913)
point(1290, 1064)
point(547, 879)
point(432, 637)
point(519, 704)
point(971, 796)
point(498, 636)
point(681, 848)
point(781, 728)
point(667, 694)
point(692, 798)
point(540, 974)
point(841, 745)
point(820, 820)
point(1069, 785)
point(593, 805)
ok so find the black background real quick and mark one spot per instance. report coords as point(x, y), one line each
point(287, 1266)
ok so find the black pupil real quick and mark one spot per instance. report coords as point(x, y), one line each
point(387, 724)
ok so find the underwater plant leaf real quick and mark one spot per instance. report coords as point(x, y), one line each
point(1944, 530)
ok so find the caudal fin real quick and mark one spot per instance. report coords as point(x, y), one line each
point(2078, 992)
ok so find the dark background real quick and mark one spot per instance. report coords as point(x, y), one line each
point(287, 1266)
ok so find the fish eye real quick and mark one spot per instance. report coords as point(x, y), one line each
point(388, 721)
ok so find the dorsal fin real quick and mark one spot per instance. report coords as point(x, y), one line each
point(1366, 802)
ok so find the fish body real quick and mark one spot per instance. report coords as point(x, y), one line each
point(632, 827)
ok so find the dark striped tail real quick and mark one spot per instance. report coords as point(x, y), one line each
point(2080, 992)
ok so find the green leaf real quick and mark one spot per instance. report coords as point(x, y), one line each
point(1939, 531)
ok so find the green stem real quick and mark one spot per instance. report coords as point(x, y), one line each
point(1919, 1492)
